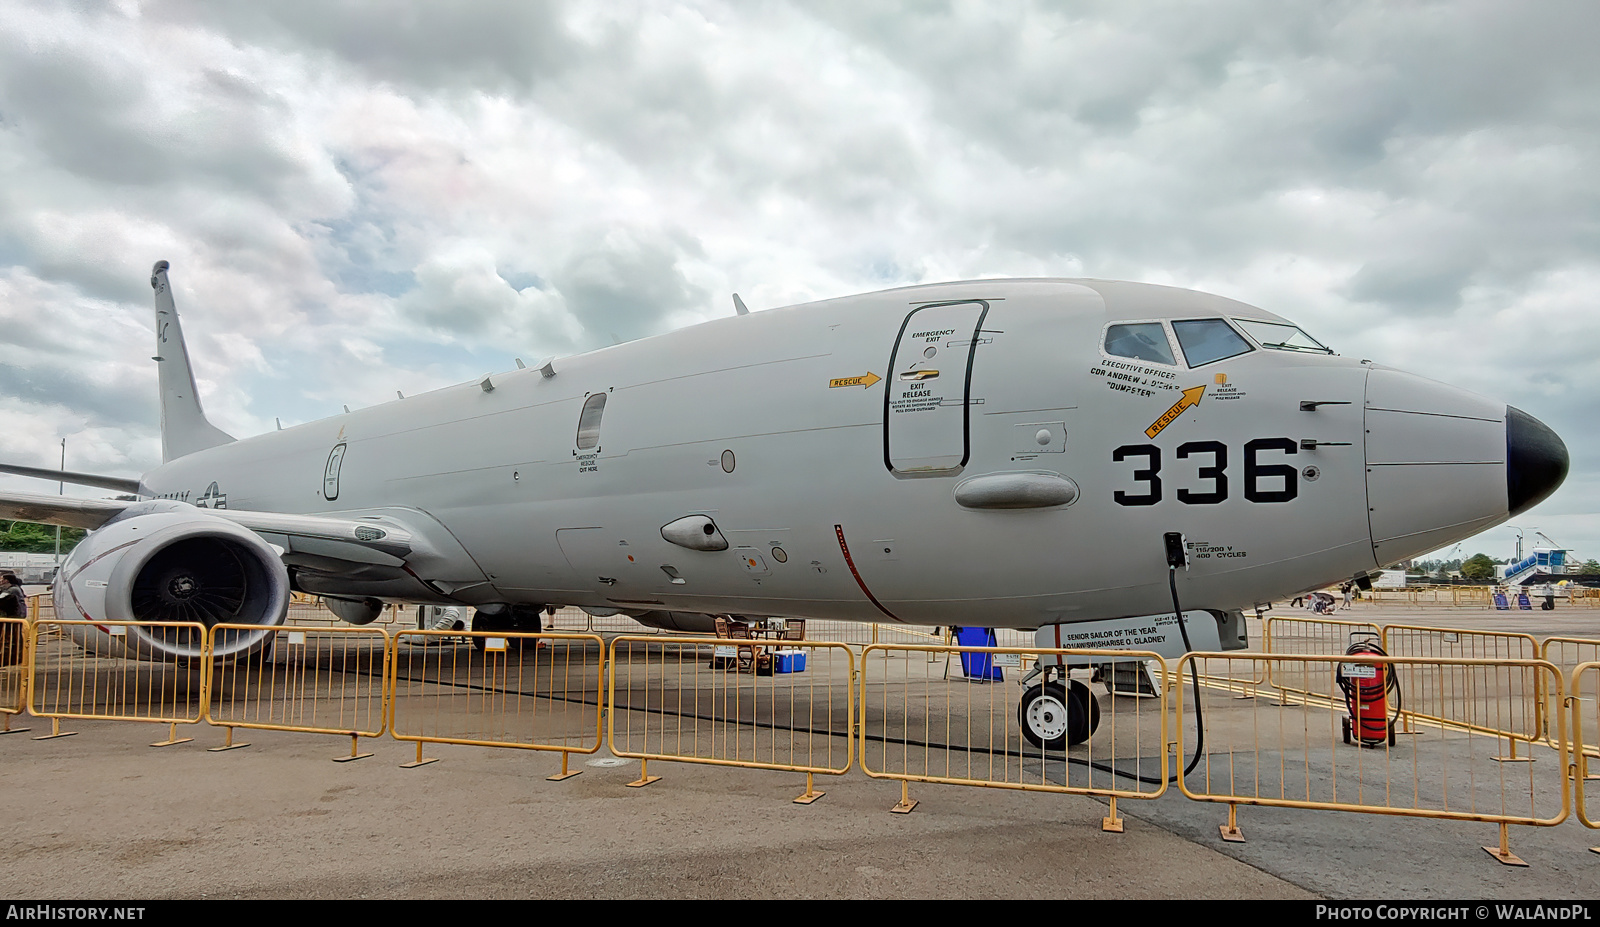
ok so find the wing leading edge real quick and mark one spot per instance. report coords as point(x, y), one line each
point(385, 538)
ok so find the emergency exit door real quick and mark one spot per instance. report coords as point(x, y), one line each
point(925, 429)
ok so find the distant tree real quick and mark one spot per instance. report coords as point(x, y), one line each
point(1478, 566)
point(1590, 566)
point(29, 538)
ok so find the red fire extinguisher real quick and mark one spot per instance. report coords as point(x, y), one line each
point(1371, 694)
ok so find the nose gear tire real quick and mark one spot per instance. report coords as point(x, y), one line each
point(1054, 718)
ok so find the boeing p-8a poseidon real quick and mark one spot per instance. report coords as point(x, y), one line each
point(994, 453)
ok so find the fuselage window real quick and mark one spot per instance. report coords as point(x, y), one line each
point(1281, 336)
point(1207, 340)
point(1146, 341)
point(589, 421)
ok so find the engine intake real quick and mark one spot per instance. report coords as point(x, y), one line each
point(165, 562)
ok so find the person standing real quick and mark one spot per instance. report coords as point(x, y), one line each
point(13, 600)
point(13, 604)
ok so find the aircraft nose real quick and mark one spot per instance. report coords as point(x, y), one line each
point(1437, 463)
point(1536, 461)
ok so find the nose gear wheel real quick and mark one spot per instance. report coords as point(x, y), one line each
point(1055, 717)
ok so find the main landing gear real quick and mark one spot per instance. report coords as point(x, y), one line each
point(515, 619)
point(1054, 716)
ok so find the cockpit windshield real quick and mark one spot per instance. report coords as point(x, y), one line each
point(1207, 340)
point(1281, 336)
point(1146, 341)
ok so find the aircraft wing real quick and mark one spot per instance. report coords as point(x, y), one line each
point(116, 483)
point(58, 510)
point(383, 538)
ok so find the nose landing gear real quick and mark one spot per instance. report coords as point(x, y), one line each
point(1054, 717)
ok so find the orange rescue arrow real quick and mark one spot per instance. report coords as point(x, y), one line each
point(867, 380)
point(1191, 397)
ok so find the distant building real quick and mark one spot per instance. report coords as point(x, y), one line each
point(32, 569)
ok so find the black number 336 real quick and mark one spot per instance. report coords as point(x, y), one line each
point(1263, 482)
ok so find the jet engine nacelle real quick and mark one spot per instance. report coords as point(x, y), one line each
point(165, 561)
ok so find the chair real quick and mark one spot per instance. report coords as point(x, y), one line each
point(794, 629)
point(740, 631)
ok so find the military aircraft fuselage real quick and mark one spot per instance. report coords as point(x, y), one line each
point(965, 453)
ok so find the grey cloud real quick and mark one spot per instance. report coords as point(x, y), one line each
point(627, 283)
point(481, 45)
point(1423, 282)
point(462, 295)
point(82, 112)
point(105, 403)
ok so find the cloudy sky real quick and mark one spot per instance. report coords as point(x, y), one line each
point(363, 197)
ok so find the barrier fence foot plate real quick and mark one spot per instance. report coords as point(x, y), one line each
point(904, 807)
point(1594, 849)
point(1113, 825)
point(563, 774)
point(809, 797)
point(57, 734)
point(1506, 857)
point(643, 781)
point(15, 730)
point(353, 756)
point(172, 737)
point(1231, 834)
point(225, 747)
point(419, 761)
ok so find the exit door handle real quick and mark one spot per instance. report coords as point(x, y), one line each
point(918, 374)
point(1307, 444)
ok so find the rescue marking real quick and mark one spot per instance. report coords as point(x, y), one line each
point(867, 380)
point(1191, 397)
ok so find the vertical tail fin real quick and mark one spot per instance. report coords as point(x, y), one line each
point(184, 428)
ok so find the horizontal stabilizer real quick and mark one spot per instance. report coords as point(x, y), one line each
point(116, 483)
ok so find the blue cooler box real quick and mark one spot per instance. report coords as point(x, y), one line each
point(789, 661)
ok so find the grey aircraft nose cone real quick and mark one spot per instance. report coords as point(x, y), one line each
point(1536, 461)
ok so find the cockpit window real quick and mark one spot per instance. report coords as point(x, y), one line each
point(1281, 336)
point(1146, 341)
point(1207, 340)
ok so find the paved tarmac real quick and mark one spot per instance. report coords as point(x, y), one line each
point(101, 815)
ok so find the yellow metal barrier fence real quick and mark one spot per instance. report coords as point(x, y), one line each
point(110, 671)
point(41, 607)
point(924, 719)
point(1584, 699)
point(14, 672)
point(1309, 637)
point(309, 680)
point(530, 691)
point(1523, 721)
point(733, 703)
point(1309, 756)
point(1568, 653)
